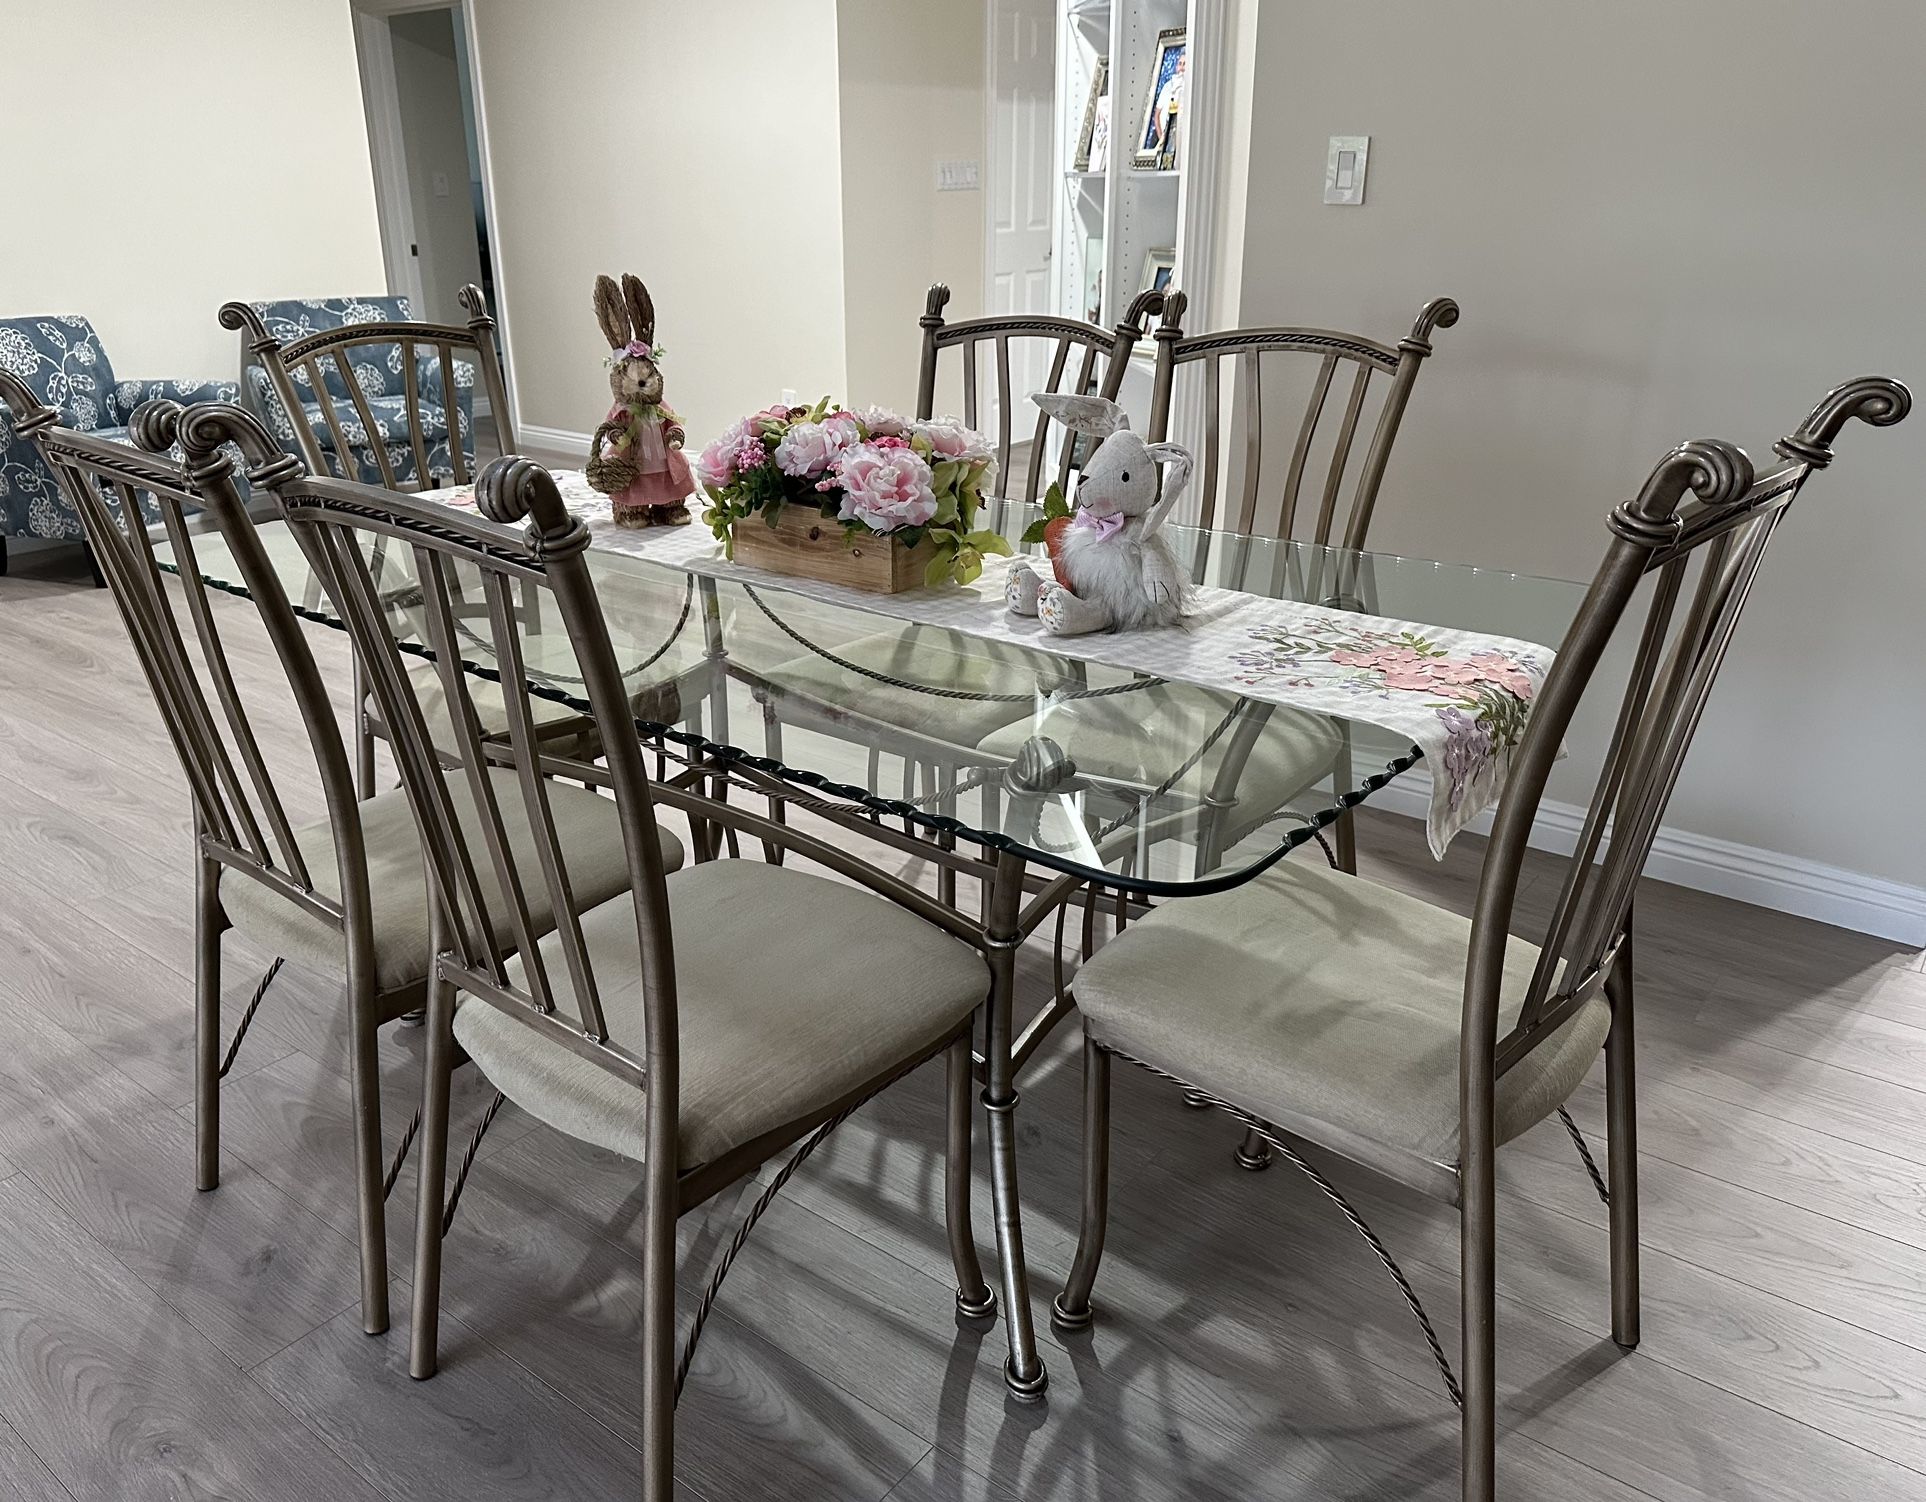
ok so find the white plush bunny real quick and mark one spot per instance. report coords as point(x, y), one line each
point(1112, 569)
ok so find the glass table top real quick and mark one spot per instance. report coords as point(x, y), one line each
point(1121, 777)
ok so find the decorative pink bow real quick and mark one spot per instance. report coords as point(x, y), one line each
point(1106, 527)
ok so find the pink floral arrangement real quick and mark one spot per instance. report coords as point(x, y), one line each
point(873, 471)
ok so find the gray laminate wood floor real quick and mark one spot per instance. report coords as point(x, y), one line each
point(156, 1343)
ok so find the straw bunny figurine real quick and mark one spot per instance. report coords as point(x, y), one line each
point(1113, 570)
point(635, 458)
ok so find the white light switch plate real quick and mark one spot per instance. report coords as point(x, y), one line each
point(1344, 169)
point(956, 176)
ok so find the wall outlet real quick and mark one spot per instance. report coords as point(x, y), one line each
point(956, 176)
point(789, 398)
point(439, 183)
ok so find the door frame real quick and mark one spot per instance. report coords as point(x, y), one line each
point(374, 46)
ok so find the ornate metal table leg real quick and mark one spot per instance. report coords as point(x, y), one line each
point(1621, 1115)
point(1024, 1372)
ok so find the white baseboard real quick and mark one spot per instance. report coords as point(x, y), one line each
point(554, 440)
point(1746, 873)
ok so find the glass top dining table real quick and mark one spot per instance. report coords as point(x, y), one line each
point(1118, 777)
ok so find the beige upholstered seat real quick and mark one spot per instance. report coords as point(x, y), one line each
point(550, 716)
point(793, 991)
point(1327, 1005)
point(1107, 738)
point(585, 822)
point(925, 655)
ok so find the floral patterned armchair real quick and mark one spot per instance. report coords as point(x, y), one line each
point(377, 373)
point(62, 361)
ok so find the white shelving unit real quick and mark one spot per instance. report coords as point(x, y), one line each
point(1132, 211)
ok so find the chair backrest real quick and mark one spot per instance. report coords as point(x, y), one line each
point(1327, 358)
point(341, 526)
point(240, 806)
point(978, 339)
point(1701, 526)
point(388, 392)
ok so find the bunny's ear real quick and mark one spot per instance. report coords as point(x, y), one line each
point(1175, 459)
point(1094, 415)
point(641, 307)
point(610, 313)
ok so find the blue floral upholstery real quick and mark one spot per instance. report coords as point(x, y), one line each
point(377, 372)
point(62, 361)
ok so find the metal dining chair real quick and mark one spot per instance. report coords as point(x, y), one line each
point(1209, 393)
point(1324, 1011)
point(389, 401)
point(644, 1023)
point(345, 892)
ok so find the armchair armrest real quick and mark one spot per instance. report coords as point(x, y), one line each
point(130, 394)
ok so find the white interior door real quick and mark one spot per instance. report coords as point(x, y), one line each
point(1023, 187)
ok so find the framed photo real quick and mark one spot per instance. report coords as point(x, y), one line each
point(1100, 137)
point(1099, 87)
point(1159, 267)
point(1156, 143)
point(1093, 278)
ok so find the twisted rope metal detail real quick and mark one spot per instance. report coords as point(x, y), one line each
point(253, 1006)
point(1271, 1135)
point(1584, 1152)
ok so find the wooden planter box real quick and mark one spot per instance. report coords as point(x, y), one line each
point(805, 543)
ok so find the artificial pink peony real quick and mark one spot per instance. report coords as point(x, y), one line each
point(809, 448)
point(949, 439)
point(880, 422)
point(885, 489)
point(716, 464)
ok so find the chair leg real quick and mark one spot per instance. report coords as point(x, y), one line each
point(3, 555)
point(1621, 1117)
point(431, 1181)
point(975, 1299)
point(1253, 1153)
point(658, 1341)
point(1344, 832)
point(364, 1073)
point(208, 924)
point(1072, 1311)
point(1477, 1238)
point(93, 565)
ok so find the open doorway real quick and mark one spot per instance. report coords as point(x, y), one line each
point(419, 87)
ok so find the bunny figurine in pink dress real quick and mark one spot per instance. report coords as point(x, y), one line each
point(635, 458)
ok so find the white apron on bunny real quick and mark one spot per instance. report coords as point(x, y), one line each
point(1112, 568)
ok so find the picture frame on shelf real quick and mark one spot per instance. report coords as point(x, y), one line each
point(1099, 158)
point(1099, 88)
point(1160, 267)
point(1093, 278)
point(1158, 139)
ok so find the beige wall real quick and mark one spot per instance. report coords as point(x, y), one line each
point(157, 150)
point(911, 82)
point(1662, 220)
point(428, 91)
point(695, 145)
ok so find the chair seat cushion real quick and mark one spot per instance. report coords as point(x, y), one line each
point(1328, 1005)
point(792, 991)
point(1143, 737)
point(553, 721)
point(929, 657)
point(585, 824)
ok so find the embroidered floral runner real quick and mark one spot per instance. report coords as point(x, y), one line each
point(1461, 697)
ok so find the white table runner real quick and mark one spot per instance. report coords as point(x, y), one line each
point(1462, 697)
